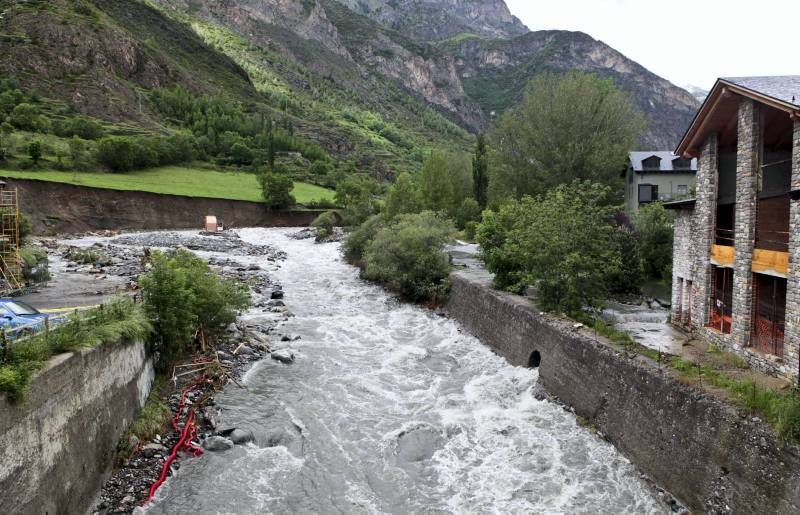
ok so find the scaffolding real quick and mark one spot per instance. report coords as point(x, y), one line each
point(10, 262)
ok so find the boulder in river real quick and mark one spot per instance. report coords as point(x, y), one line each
point(237, 436)
point(276, 294)
point(217, 443)
point(283, 355)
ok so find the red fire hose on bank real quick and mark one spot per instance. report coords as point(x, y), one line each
point(188, 433)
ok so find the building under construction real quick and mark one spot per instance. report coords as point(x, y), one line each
point(10, 262)
point(736, 269)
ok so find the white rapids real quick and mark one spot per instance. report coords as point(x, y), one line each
point(392, 409)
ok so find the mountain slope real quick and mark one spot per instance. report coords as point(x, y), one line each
point(495, 72)
point(431, 20)
point(101, 57)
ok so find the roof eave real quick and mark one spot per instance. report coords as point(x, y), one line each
point(721, 87)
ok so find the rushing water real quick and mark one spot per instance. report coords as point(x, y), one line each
point(390, 408)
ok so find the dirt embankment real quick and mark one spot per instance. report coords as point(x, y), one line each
point(56, 208)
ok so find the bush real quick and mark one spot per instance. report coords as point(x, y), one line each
point(81, 126)
point(184, 298)
point(35, 151)
point(276, 189)
point(653, 226)
point(560, 242)
point(324, 225)
point(35, 269)
point(26, 117)
point(468, 211)
point(470, 229)
point(117, 153)
point(408, 257)
point(356, 242)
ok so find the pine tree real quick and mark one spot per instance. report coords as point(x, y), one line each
point(480, 179)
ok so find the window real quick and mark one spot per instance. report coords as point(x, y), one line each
point(683, 189)
point(648, 193)
point(680, 163)
point(651, 163)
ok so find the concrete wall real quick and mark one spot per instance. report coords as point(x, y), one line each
point(58, 445)
point(56, 208)
point(700, 449)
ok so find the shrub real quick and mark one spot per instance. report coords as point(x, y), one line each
point(81, 126)
point(35, 269)
point(276, 189)
point(468, 211)
point(470, 229)
point(324, 225)
point(116, 152)
point(653, 226)
point(35, 151)
point(560, 242)
point(184, 298)
point(356, 242)
point(408, 257)
point(26, 117)
point(241, 154)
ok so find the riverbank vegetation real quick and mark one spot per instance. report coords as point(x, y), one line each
point(188, 303)
point(117, 321)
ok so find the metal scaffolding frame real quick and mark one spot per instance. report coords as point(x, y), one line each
point(10, 261)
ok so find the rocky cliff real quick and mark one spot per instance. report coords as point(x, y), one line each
point(495, 72)
point(442, 19)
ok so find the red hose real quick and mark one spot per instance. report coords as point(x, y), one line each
point(184, 443)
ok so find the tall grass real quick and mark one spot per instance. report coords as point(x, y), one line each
point(119, 320)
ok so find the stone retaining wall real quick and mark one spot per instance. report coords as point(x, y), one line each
point(700, 449)
point(57, 208)
point(57, 446)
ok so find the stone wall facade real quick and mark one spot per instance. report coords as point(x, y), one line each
point(747, 172)
point(58, 445)
point(791, 345)
point(712, 457)
point(694, 237)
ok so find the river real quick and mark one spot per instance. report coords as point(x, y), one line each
point(391, 408)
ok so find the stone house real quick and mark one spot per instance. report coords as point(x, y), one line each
point(653, 176)
point(736, 268)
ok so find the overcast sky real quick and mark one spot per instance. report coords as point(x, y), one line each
point(685, 41)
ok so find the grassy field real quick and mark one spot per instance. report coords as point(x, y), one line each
point(175, 180)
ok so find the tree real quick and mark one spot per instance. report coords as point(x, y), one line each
point(468, 211)
point(402, 197)
point(116, 152)
point(408, 256)
point(480, 178)
point(653, 225)
point(560, 242)
point(435, 185)
point(26, 117)
point(568, 127)
point(35, 151)
point(276, 189)
point(356, 195)
point(241, 154)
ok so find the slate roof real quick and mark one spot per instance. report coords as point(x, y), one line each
point(637, 157)
point(785, 88)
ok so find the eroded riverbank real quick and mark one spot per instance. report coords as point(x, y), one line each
point(391, 408)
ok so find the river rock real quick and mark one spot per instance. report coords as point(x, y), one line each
point(217, 443)
point(419, 443)
point(276, 294)
point(238, 436)
point(283, 355)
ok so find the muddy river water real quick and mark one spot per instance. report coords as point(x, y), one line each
point(390, 408)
